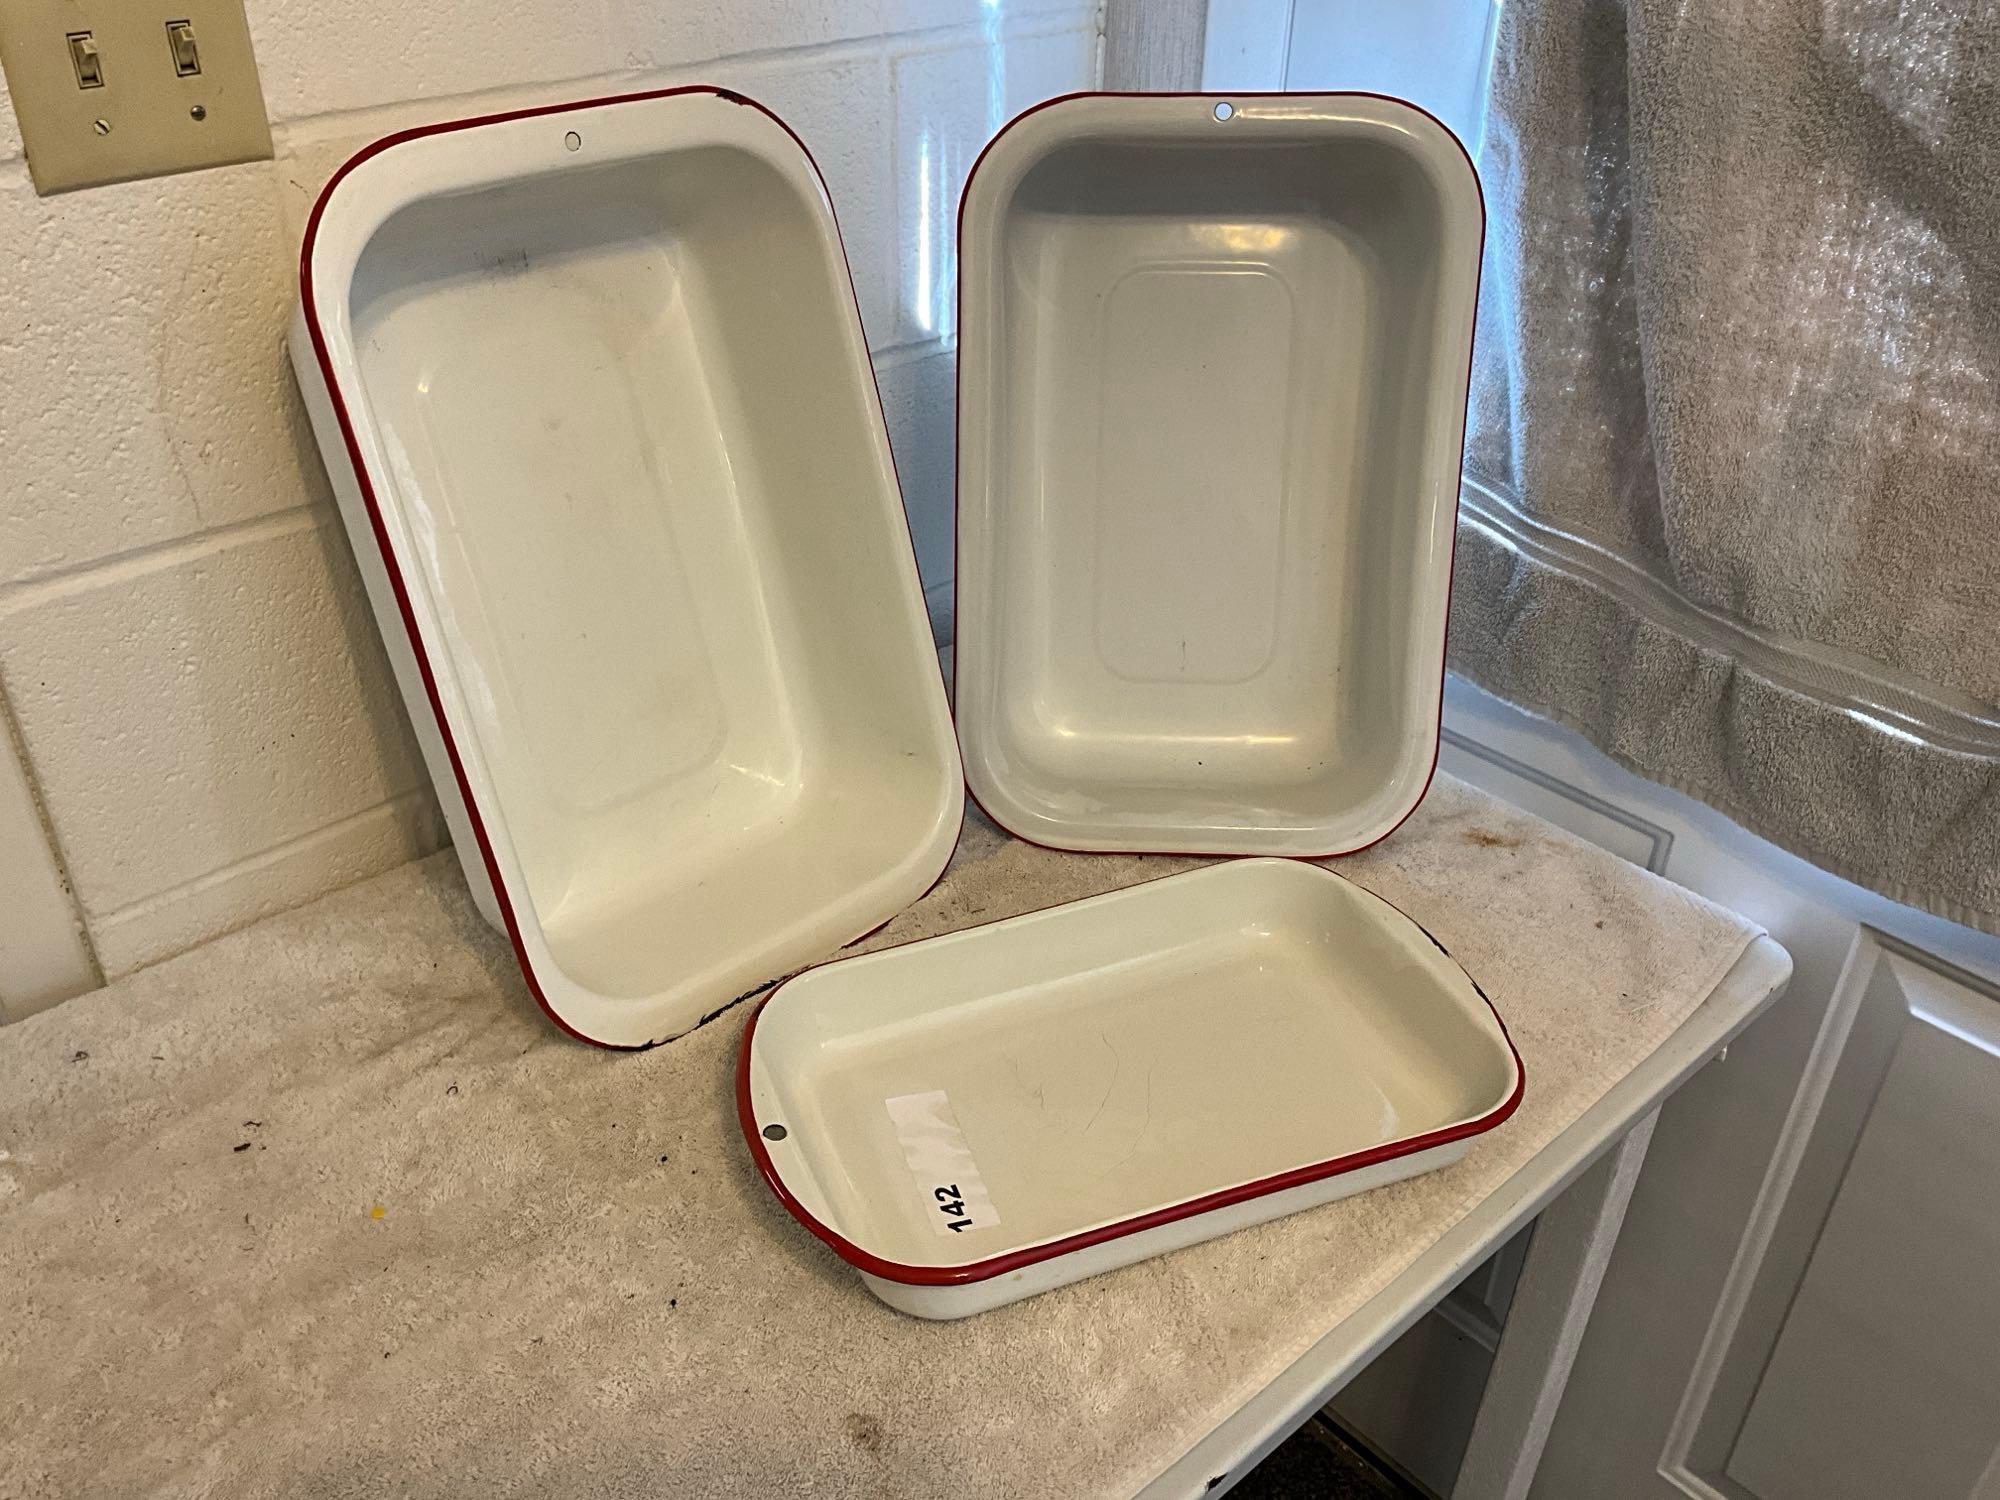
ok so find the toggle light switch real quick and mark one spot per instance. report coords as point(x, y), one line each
point(99, 99)
point(83, 57)
point(180, 42)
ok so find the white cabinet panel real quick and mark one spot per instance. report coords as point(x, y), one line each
point(1885, 1376)
point(1722, 1338)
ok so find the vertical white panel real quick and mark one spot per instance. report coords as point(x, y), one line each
point(1432, 52)
point(1567, 1258)
point(1885, 1377)
point(1245, 45)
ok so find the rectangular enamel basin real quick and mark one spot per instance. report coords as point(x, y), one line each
point(1212, 386)
point(593, 391)
point(979, 1117)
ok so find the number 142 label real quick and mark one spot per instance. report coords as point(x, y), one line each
point(953, 1195)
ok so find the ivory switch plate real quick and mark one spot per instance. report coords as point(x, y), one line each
point(107, 90)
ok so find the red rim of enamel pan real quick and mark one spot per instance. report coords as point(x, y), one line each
point(958, 408)
point(385, 547)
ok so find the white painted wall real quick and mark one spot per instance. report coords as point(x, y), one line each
point(206, 724)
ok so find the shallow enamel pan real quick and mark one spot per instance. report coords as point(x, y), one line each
point(591, 385)
point(1212, 378)
point(980, 1117)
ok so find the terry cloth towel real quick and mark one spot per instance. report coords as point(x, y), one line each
point(328, 1208)
point(1732, 506)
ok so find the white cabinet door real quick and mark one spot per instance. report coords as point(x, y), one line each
point(1866, 1358)
point(1805, 1297)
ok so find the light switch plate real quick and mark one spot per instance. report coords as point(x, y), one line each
point(147, 117)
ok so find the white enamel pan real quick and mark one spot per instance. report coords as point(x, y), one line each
point(980, 1117)
point(1213, 362)
point(592, 388)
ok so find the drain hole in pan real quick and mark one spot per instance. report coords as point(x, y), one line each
point(775, 1132)
point(1224, 110)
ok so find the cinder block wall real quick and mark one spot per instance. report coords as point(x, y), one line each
point(204, 724)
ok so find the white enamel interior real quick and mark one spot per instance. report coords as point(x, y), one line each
point(617, 410)
point(1211, 404)
point(1123, 1054)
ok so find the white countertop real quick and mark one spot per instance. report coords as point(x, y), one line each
point(327, 1207)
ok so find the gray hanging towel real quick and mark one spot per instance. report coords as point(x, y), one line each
point(1732, 498)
